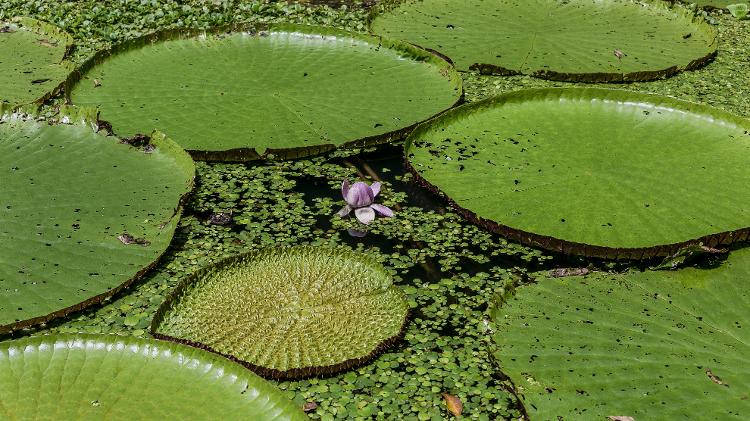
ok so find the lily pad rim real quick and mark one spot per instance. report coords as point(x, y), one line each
point(510, 290)
point(707, 7)
point(250, 154)
point(564, 246)
point(599, 77)
point(215, 360)
point(41, 27)
point(158, 138)
point(271, 373)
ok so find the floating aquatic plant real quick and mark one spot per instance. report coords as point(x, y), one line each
point(83, 214)
point(655, 340)
point(117, 377)
point(297, 108)
point(288, 312)
point(739, 10)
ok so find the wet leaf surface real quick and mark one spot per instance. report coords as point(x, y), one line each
point(448, 268)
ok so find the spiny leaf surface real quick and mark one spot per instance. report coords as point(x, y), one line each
point(288, 312)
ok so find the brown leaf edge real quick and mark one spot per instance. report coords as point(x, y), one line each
point(250, 154)
point(570, 247)
point(177, 213)
point(599, 77)
point(43, 28)
point(271, 373)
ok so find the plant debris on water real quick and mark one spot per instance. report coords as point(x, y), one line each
point(449, 269)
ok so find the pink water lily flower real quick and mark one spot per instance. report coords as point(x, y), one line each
point(359, 198)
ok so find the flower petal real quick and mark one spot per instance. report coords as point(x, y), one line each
point(359, 195)
point(375, 187)
point(344, 189)
point(383, 210)
point(365, 215)
point(344, 211)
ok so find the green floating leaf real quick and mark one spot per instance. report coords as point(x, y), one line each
point(34, 61)
point(67, 377)
point(575, 40)
point(650, 345)
point(81, 215)
point(712, 4)
point(285, 91)
point(739, 10)
point(288, 312)
point(594, 172)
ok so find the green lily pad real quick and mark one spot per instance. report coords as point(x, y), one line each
point(288, 312)
point(650, 345)
point(574, 40)
point(594, 172)
point(33, 61)
point(713, 4)
point(285, 91)
point(67, 377)
point(81, 215)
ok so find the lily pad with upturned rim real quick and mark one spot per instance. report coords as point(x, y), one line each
point(66, 377)
point(649, 345)
point(33, 61)
point(288, 312)
point(594, 172)
point(572, 40)
point(282, 91)
point(82, 214)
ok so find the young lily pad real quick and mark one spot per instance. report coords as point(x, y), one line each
point(285, 91)
point(81, 216)
point(67, 377)
point(288, 312)
point(649, 345)
point(575, 40)
point(594, 172)
point(33, 60)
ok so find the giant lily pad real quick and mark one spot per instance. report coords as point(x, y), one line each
point(81, 215)
point(652, 345)
point(285, 91)
point(287, 312)
point(33, 60)
point(74, 377)
point(571, 40)
point(594, 172)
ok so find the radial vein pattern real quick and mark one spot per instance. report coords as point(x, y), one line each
point(288, 312)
